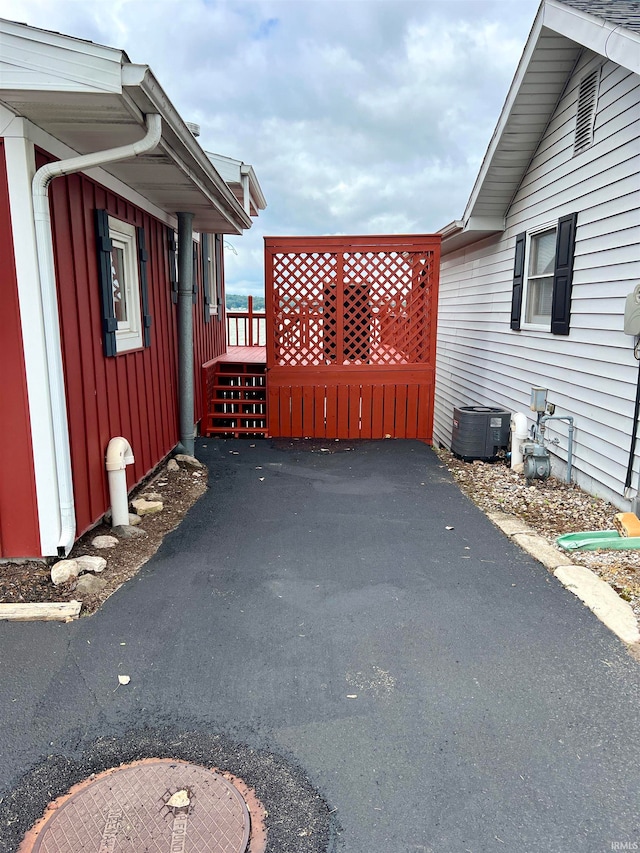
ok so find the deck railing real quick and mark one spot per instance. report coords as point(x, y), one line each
point(247, 328)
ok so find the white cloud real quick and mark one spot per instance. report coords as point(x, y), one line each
point(359, 116)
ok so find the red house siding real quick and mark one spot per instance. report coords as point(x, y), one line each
point(134, 394)
point(19, 534)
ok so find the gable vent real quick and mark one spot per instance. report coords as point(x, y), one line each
point(587, 99)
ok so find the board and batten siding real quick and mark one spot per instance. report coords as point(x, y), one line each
point(591, 373)
point(133, 394)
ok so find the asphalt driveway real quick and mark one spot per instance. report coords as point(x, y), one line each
point(387, 684)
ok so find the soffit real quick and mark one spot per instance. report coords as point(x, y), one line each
point(97, 114)
point(519, 132)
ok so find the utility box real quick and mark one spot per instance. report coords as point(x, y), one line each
point(480, 432)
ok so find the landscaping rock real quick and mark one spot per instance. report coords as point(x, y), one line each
point(143, 507)
point(188, 462)
point(104, 542)
point(152, 496)
point(172, 466)
point(133, 518)
point(91, 564)
point(127, 531)
point(63, 570)
point(90, 585)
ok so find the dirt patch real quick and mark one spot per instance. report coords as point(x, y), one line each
point(551, 508)
point(30, 581)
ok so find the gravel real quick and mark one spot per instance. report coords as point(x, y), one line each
point(551, 508)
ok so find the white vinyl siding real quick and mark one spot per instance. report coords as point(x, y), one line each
point(591, 373)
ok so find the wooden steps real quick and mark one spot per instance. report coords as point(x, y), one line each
point(237, 400)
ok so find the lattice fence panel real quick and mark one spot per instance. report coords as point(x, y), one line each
point(353, 307)
point(302, 283)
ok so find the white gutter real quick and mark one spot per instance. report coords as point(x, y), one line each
point(48, 294)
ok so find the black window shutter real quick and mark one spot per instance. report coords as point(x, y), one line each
point(563, 275)
point(194, 274)
point(104, 246)
point(518, 282)
point(206, 285)
point(218, 266)
point(143, 257)
point(173, 270)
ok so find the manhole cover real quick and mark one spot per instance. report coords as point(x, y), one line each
point(150, 806)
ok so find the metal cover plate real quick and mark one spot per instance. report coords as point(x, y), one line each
point(125, 811)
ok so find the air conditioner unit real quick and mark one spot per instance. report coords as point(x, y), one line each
point(480, 432)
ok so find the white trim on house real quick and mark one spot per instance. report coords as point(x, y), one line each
point(41, 60)
point(92, 98)
point(242, 182)
point(125, 275)
point(20, 162)
point(603, 37)
point(543, 325)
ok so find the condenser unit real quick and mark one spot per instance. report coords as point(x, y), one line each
point(480, 432)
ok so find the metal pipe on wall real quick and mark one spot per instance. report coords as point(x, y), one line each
point(185, 331)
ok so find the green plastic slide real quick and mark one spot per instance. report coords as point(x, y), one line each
point(594, 540)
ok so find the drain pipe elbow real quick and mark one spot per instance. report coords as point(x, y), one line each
point(119, 455)
point(51, 321)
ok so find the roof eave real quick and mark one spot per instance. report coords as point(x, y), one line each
point(458, 234)
point(139, 82)
point(521, 70)
point(597, 34)
point(585, 31)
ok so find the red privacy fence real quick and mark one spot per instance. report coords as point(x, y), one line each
point(351, 333)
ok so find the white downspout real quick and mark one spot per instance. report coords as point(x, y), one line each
point(48, 295)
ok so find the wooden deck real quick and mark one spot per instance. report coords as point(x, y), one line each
point(243, 355)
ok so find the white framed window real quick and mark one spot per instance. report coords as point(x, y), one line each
point(538, 282)
point(125, 285)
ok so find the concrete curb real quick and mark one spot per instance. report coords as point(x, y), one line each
point(595, 593)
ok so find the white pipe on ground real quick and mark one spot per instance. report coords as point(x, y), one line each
point(119, 455)
point(519, 434)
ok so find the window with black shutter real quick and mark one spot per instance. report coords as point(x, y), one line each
point(518, 279)
point(122, 276)
point(563, 275)
point(172, 248)
point(543, 271)
point(194, 274)
point(143, 259)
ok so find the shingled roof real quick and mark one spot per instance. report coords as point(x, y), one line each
point(623, 13)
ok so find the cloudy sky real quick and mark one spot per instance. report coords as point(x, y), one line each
point(359, 116)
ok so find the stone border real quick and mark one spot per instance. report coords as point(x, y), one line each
point(594, 592)
point(41, 611)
